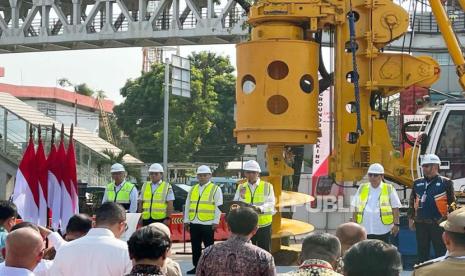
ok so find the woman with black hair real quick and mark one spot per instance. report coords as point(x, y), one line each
point(148, 249)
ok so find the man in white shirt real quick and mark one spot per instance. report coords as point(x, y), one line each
point(100, 252)
point(260, 195)
point(24, 250)
point(377, 206)
point(201, 214)
point(120, 190)
point(43, 267)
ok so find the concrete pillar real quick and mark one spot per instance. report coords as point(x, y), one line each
point(142, 10)
point(108, 12)
point(76, 15)
point(15, 6)
point(210, 9)
point(45, 19)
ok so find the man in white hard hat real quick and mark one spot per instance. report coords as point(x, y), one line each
point(157, 197)
point(260, 195)
point(431, 200)
point(377, 206)
point(202, 215)
point(120, 190)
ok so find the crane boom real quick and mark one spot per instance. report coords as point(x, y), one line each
point(450, 38)
point(106, 122)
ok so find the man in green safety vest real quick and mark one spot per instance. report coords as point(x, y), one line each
point(120, 190)
point(201, 213)
point(377, 206)
point(259, 194)
point(156, 198)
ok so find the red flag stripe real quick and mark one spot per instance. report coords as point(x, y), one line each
point(41, 166)
point(71, 179)
point(27, 168)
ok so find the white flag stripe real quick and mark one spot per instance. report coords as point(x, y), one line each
point(42, 208)
point(75, 199)
point(23, 199)
point(54, 199)
point(66, 207)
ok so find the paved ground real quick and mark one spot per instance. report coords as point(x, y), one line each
point(185, 261)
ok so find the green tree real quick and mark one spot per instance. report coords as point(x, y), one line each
point(83, 89)
point(200, 128)
point(218, 145)
point(80, 88)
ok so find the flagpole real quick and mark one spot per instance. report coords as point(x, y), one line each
point(62, 134)
point(62, 137)
point(52, 141)
point(30, 132)
point(39, 134)
point(39, 141)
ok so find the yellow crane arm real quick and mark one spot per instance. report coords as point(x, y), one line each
point(450, 38)
point(462, 4)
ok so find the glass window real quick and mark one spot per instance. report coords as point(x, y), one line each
point(451, 144)
point(49, 109)
point(442, 58)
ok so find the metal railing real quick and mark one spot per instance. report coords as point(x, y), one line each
point(15, 144)
point(426, 23)
point(91, 176)
point(121, 24)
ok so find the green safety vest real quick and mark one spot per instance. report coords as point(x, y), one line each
point(258, 199)
point(154, 202)
point(202, 205)
point(122, 196)
point(387, 217)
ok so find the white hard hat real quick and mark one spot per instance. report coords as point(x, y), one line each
point(117, 167)
point(203, 169)
point(155, 167)
point(376, 168)
point(430, 159)
point(252, 166)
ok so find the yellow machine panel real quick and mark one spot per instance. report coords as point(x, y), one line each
point(277, 85)
point(277, 92)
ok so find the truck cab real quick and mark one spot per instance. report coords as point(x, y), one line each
point(446, 139)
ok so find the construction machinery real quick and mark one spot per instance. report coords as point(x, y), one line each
point(278, 86)
point(106, 121)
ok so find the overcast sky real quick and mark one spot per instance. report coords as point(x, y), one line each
point(105, 69)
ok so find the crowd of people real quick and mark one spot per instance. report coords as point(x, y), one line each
point(97, 250)
point(202, 214)
point(358, 248)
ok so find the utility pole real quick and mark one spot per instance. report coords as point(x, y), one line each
point(165, 119)
point(181, 87)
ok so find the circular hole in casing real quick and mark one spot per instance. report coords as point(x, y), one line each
point(350, 76)
point(278, 70)
point(306, 83)
point(348, 45)
point(277, 104)
point(351, 107)
point(248, 84)
point(356, 15)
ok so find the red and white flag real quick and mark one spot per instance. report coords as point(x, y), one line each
point(61, 160)
point(42, 176)
point(26, 191)
point(69, 199)
point(54, 186)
